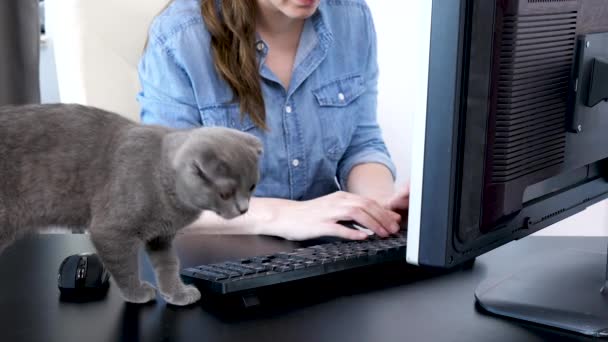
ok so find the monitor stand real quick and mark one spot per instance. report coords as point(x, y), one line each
point(570, 293)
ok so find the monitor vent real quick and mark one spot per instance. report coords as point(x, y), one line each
point(535, 61)
point(535, 1)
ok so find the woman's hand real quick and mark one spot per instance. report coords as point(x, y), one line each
point(376, 182)
point(318, 217)
point(399, 202)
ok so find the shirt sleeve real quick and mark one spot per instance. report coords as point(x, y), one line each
point(166, 96)
point(367, 144)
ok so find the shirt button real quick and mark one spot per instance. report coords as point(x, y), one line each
point(295, 162)
point(260, 47)
point(341, 96)
point(288, 109)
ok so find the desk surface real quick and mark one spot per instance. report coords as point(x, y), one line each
point(414, 308)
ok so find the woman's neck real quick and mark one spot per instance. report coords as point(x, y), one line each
point(282, 34)
point(272, 22)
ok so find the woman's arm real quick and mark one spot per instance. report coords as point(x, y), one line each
point(303, 220)
point(166, 95)
point(371, 180)
point(250, 223)
point(375, 181)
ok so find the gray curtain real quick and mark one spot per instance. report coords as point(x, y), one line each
point(19, 52)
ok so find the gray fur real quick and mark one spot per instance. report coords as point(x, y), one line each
point(129, 184)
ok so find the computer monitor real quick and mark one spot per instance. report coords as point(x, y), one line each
point(515, 139)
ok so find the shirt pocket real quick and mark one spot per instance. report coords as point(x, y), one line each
point(227, 115)
point(337, 112)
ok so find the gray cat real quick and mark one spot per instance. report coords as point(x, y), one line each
point(129, 184)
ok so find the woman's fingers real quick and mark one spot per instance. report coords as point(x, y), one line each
point(355, 213)
point(363, 218)
point(400, 203)
point(340, 231)
point(388, 220)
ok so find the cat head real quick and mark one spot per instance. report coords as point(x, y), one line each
point(216, 169)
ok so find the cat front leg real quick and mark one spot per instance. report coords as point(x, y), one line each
point(7, 234)
point(6, 238)
point(119, 255)
point(166, 266)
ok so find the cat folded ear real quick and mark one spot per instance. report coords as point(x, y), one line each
point(202, 172)
point(209, 160)
point(257, 146)
point(259, 149)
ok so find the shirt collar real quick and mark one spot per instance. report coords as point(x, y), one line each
point(315, 31)
point(319, 22)
point(315, 41)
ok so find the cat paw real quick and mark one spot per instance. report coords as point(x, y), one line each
point(186, 295)
point(145, 293)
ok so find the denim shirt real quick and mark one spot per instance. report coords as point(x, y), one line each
point(318, 129)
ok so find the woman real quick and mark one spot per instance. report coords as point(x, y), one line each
point(305, 73)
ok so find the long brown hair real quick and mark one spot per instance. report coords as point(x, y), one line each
point(232, 29)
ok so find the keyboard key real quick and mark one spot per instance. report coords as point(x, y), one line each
point(214, 270)
point(261, 268)
point(274, 266)
point(220, 269)
point(283, 255)
point(212, 275)
point(284, 269)
point(238, 270)
point(244, 269)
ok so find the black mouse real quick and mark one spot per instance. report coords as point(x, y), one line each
point(82, 276)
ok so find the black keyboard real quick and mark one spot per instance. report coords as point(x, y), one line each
point(266, 270)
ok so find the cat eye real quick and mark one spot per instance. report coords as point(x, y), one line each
point(227, 195)
point(252, 188)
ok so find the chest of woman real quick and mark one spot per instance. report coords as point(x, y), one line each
point(309, 125)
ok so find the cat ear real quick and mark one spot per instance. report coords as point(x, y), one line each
point(257, 146)
point(209, 165)
point(254, 142)
point(202, 172)
point(259, 149)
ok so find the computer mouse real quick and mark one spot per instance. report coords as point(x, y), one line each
point(83, 275)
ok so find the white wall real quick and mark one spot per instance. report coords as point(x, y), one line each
point(97, 46)
point(403, 29)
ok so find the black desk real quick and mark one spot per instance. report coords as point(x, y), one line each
point(439, 308)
